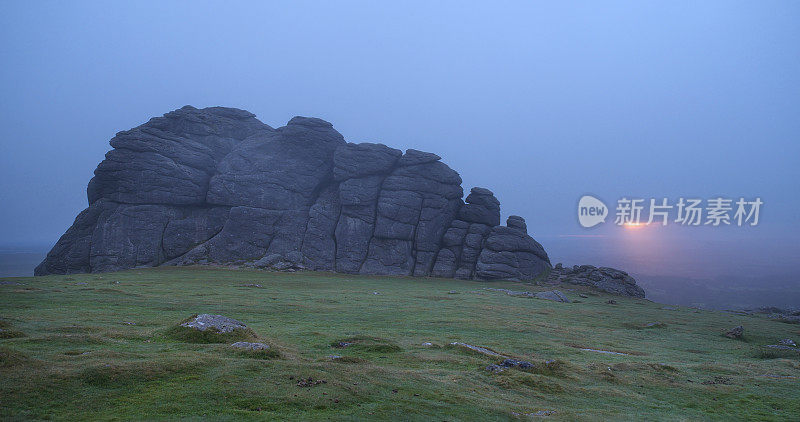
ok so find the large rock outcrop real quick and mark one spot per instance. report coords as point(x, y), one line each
point(217, 186)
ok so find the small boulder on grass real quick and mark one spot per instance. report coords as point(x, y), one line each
point(219, 323)
point(554, 295)
point(514, 363)
point(207, 328)
point(246, 345)
point(735, 332)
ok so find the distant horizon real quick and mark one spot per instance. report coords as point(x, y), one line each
point(663, 287)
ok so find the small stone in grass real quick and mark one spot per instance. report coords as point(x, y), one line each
point(309, 382)
point(249, 346)
point(220, 323)
point(735, 332)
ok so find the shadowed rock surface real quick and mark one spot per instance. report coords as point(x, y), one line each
point(217, 186)
point(605, 279)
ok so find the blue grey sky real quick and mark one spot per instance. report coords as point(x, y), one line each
point(539, 101)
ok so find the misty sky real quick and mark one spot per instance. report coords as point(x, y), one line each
point(541, 103)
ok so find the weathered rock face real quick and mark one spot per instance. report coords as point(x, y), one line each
point(604, 278)
point(217, 323)
point(216, 186)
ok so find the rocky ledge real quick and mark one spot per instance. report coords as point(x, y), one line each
point(217, 186)
point(605, 279)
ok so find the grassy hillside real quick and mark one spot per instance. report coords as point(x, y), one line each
point(98, 347)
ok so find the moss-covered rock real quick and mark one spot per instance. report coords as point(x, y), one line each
point(206, 328)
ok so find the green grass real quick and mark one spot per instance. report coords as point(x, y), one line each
point(105, 346)
point(7, 332)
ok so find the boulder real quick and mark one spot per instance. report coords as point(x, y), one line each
point(605, 279)
point(735, 332)
point(517, 222)
point(514, 363)
point(481, 207)
point(218, 323)
point(246, 345)
point(510, 254)
point(553, 295)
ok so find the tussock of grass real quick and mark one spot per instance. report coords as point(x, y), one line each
point(124, 373)
point(554, 368)
point(70, 340)
point(638, 367)
point(73, 329)
point(358, 339)
point(771, 353)
point(645, 326)
point(663, 367)
point(604, 372)
point(435, 298)
point(4, 333)
point(265, 405)
point(211, 335)
point(516, 379)
point(270, 353)
point(10, 357)
point(98, 332)
point(381, 348)
point(349, 359)
point(7, 332)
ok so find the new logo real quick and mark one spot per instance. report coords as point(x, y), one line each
point(591, 211)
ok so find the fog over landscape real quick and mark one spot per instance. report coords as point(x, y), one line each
point(541, 106)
